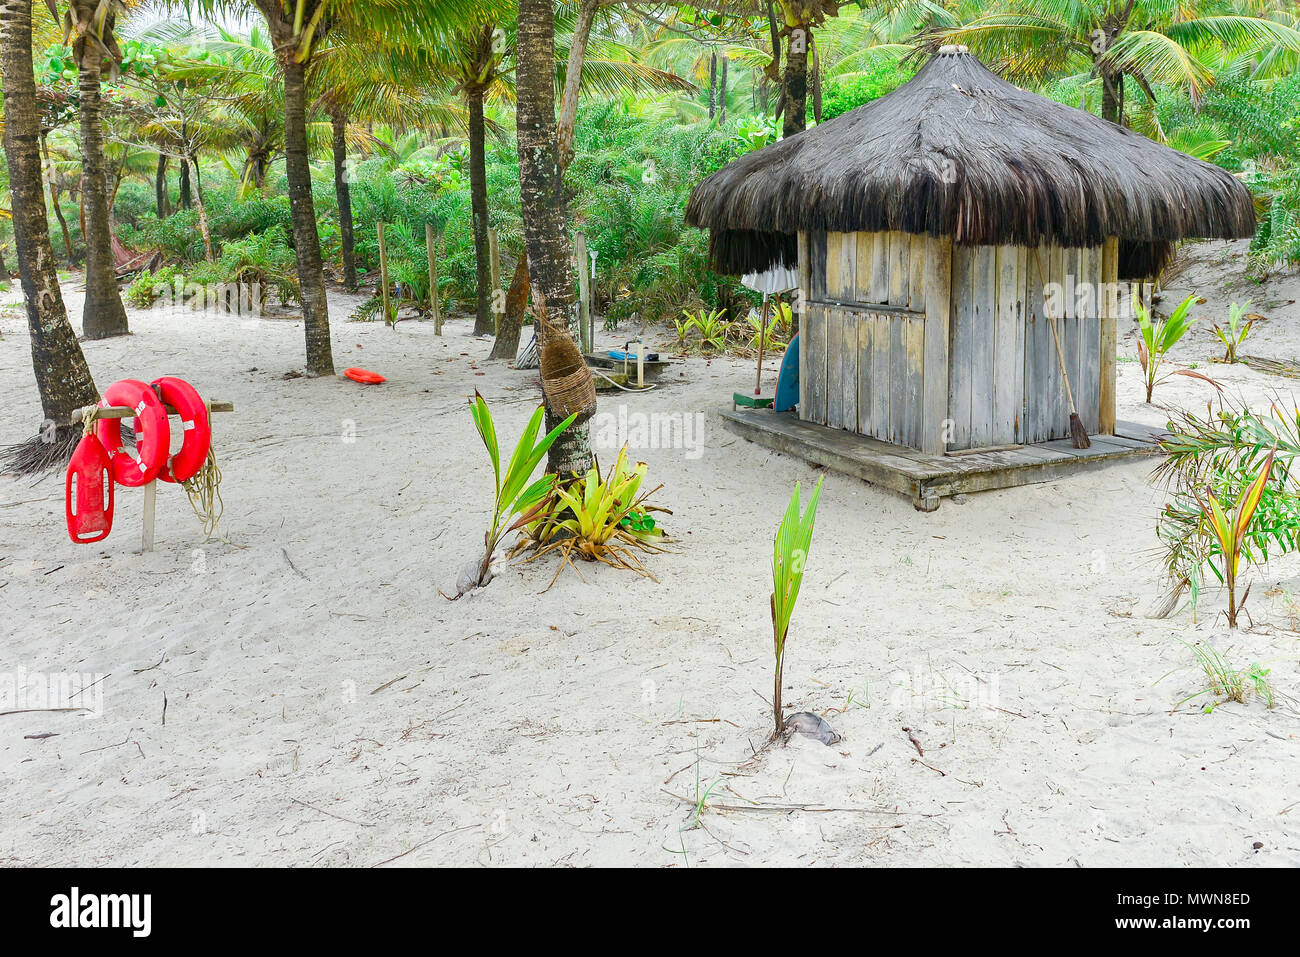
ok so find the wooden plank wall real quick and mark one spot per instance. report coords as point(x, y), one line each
point(938, 322)
point(1109, 322)
point(1078, 315)
point(1004, 376)
point(864, 370)
point(872, 361)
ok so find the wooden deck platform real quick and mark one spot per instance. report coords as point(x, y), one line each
point(928, 478)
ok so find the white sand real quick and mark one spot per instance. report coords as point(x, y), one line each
point(570, 727)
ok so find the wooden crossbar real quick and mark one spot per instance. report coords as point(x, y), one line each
point(126, 412)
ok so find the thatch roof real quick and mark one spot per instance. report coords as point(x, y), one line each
point(959, 151)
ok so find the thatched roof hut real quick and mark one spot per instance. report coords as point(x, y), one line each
point(958, 151)
point(946, 235)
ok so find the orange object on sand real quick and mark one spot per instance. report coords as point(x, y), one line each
point(364, 376)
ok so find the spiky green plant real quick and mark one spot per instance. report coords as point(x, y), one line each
point(597, 518)
point(789, 555)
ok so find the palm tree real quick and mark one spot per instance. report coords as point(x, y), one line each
point(244, 69)
point(800, 16)
point(62, 376)
point(296, 29)
point(90, 24)
point(544, 209)
point(471, 57)
point(1147, 41)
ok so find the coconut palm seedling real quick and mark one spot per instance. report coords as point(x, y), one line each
point(1230, 531)
point(1157, 338)
point(1239, 323)
point(789, 553)
point(597, 518)
point(514, 494)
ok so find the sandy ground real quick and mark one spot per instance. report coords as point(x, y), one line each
point(303, 696)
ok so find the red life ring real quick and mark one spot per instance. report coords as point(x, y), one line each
point(364, 376)
point(187, 402)
point(153, 437)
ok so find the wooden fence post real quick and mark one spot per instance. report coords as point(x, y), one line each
point(383, 276)
point(584, 292)
point(434, 307)
point(494, 256)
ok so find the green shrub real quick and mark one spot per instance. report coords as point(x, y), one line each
point(148, 286)
point(263, 258)
point(850, 91)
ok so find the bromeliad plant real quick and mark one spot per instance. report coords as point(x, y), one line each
point(789, 553)
point(1239, 323)
point(602, 519)
point(1157, 338)
point(709, 324)
point(1229, 532)
point(771, 341)
point(514, 494)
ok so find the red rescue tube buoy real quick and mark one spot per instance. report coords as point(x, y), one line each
point(364, 375)
point(88, 492)
point(139, 466)
point(187, 402)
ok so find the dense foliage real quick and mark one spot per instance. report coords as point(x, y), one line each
point(1227, 97)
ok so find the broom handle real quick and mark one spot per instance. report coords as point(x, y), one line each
point(1060, 356)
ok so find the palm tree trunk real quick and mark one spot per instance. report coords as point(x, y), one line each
point(184, 184)
point(713, 85)
point(54, 199)
point(160, 187)
point(794, 95)
point(311, 271)
point(816, 81)
point(103, 314)
point(722, 92)
point(544, 209)
point(478, 201)
point(62, 376)
point(343, 193)
point(191, 162)
point(506, 345)
point(572, 79)
point(1112, 103)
